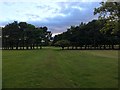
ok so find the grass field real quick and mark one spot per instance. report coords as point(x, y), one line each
point(54, 68)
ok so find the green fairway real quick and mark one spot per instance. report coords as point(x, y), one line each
point(54, 68)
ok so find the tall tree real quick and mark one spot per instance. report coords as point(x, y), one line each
point(111, 12)
point(23, 35)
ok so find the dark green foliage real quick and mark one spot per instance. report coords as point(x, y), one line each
point(62, 43)
point(89, 36)
point(24, 36)
point(103, 33)
point(111, 12)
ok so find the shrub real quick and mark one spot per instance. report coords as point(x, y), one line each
point(62, 43)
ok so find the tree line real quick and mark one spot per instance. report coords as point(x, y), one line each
point(103, 33)
point(24, 36)
point(88, 36)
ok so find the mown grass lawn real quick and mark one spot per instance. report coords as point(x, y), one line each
point(54, 68)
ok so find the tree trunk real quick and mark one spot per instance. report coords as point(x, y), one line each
point(112, 46)
point(33, 46)
point(17, 47)
point(72, 47)
point(88, 46)
point(23, 47)
point(12, 47)
point(104, 46)
point(85, 47)
point(81, 47)
point(68, 47)
point(40, 47)
point(91, 47)
point(94, 47)
point(99, 47)
point(27, 47)
point(109, 46)
point(76, 47)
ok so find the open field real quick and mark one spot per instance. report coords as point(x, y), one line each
point(55, 68)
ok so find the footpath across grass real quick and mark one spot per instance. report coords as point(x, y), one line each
point(51, 67)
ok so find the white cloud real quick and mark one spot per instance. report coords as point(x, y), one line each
point(31, 11)
point(57, 16)
point(26, 11)
point(80, 8)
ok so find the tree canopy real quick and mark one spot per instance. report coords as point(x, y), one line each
point(89, 36)
point(103, 33)
point(24, 36)
point(111, 12)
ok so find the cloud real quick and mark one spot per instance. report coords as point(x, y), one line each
point(57, 16)
point(74, 14)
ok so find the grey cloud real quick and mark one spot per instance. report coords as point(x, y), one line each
point(74, 16)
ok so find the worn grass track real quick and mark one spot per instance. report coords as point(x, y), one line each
point(54, 68)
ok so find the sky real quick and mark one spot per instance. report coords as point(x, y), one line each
point(57, 15)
